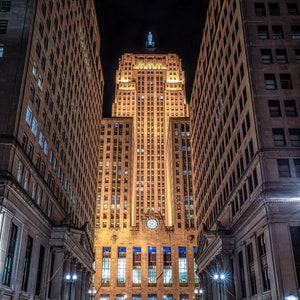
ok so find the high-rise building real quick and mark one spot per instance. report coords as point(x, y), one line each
point(51, 89)
point(145, 231)
point(245, 122)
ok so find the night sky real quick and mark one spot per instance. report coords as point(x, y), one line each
point(176, 26)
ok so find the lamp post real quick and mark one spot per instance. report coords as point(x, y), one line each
point(198, 293)
point(219, 278)
point(92, 293)
point(71, 280)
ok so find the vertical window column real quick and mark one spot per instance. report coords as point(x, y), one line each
point(182, 265)
point(106, 258)
point(151, 265)
point(136, 268)
point(121, 265)
point(167, 265)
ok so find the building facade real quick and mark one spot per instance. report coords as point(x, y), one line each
point(145, 230)
point(246, 136)
point(51, 90)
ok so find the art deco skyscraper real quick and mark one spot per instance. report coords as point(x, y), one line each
point(145, 236)
point(246, 137)
point(50, 110)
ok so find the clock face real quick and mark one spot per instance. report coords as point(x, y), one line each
point(152, 223)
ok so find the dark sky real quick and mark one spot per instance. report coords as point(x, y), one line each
point(176, 26)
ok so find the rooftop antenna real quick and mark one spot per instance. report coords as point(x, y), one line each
point(149, 43)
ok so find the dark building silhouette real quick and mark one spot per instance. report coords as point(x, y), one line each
point(245, 142)
point(51, 89)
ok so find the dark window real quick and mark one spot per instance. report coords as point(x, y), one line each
point(3, 26)
point(260, 9)
point(266, 56)
point(242, 274)
point(26, 266)
point(274, 9)
point(283, 168)
point(270, 82)
point(281, 56)
point(294, 136)
point(286, 81)
point(290, 108)
point(263, 33)
point(9, 260)
point(297, 55)
point(5, 6)
point(44, 8)
point(297, 167)
point(40, 271)
point(278, 137)
point(263, 262)
point(277, 32)
point(292, 9)
point(274, 108)
point(295, 234)
point(295, 31)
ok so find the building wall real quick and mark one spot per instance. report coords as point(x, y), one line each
point(51, 106)
point(246, 173)
point(145, 211)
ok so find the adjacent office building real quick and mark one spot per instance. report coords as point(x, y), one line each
point(51, 90)
point(245, 107)
point(145, 230)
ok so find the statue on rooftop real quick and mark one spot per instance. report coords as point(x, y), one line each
point(149, 43)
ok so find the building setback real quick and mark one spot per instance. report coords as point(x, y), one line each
point(245, 122)
point(51, 88)
point(145, 230)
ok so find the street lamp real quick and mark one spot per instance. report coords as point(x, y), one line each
point(219, 278)
point(71, 280)
point(92, 293)
point(198, 293)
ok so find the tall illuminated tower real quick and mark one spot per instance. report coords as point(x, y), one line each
point(144, 225)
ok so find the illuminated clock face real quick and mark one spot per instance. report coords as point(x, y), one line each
point(152, 223)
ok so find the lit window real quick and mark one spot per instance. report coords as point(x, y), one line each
point(106, 255)
point(121, 264)
point(270, 82)
point(28, 117)
point(182, 265)
point(1, 51)
point(34, 126)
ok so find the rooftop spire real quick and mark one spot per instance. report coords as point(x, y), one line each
point(149, 43)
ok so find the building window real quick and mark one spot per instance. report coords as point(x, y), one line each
point(274, 9)
point(295, 233)
point(297, 167)
point(286, 81)
point(263, 262)
point(290, 108)
point(266, 56)
point(3, 26)
point(40, 271)
point(251, 269)
point(167, 265)
point(281, 56)
point(106, 256)
point(9, 260)
point(136, 270)
point(151, 265)
point(278, 137)
point(277, 32)
point(26, 266)
point(297, 56)
point(292, 9)
point(182, 265)
point(283, 168)
point(270, 82)
point(295, 30)
point(242, 274)
point(294, 134)
point(263, 33)
point(260, 9)
point(274, 108)
point(121, 264)
point(136, 297)
point(5, 6)
point(1, 50)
